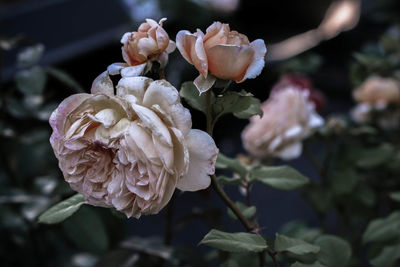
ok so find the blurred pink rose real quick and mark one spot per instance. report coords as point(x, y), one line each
point(221, 53)
point(130, 150)
point(289, 117)
point(304, 83)
point(150, 43)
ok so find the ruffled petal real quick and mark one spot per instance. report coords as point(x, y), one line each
point(116, 68)
point(102, 85)
point(202, 156)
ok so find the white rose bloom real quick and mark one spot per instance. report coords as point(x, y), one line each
point(132, 148)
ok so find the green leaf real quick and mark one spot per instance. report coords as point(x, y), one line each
point(31, 81)
point(228, 180)
point(247, 211)
point(239, 103)
point(62, 210)
point(395, 196)
point(66, 79)
point(253, 109)
point(234, 242)
point(383, 229)
point(344, 182)
point(224, 162)
point(315, 264)
point(279, 177)
point(388, 257)
point(373, 157)
point(87, 230)
point(334, 251)
point(192, 96)
point(295, 246)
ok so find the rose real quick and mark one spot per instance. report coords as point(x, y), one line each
point(304, 83)
point(150, 43)
point(378, 91)
point(378, 99)
point(130, 150)
point(288, 118)
point(221, 53)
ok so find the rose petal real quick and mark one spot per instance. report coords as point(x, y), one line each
point(102, 85)
point(257, 65)
point(162, 93)
point(229, 62)
point(202, 156)
point(291, 151)
point(134, 86)
point(115, 68)
point(204, 84)
point(134, 71)
point(192, 49)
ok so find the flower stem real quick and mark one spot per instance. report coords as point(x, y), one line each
point(252, 228)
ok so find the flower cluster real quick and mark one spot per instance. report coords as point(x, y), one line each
point(129, 146)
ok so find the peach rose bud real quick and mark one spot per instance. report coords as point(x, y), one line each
point(150, 43)
point(221, 53)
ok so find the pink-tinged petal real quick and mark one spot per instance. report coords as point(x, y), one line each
point(181, 152)
point(58, 117)
point(147, 46)
point(217, 33)
point(134, 86)
point(229, 62)
point(202, 156)
point(153, 123)
point(162, 93)
point(171, 47)
point(204, 84)
point(162, 38)
point(116, 68)
point(257, 65)
point(163, 59)
point(102, 85)
point(125, 37)
point(134, 71)
point(192, 49)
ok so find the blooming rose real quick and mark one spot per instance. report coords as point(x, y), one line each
point(374, 96)
point(288, 118)
point(221, 53)
point(150, 43)
point(131, 149)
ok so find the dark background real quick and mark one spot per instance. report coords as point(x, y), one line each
point(81, 37)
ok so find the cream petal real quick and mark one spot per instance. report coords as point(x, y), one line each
point(229, 62)
point(217, 33)
point(58, 117)
point(202, 156)
point(102, 85)
point(135, 86)
point(171, 47)
point(116, 68)
point(134, 71)
point(125, 37)
point(204, 84)
point(258, 63)
point(162, 93)
point(108, 117)
point(291, 151)
point(143, 140)
point(315, 121)
point(153, 123)
point(181, 152)
point(147, 46)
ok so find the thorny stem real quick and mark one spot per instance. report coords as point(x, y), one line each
point(252, 228)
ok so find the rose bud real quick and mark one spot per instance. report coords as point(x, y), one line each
point(289, 117)
point(150, 43)
point(221, 53)
point(130, 149)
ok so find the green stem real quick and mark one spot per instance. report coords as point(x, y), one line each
point(253, 228)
